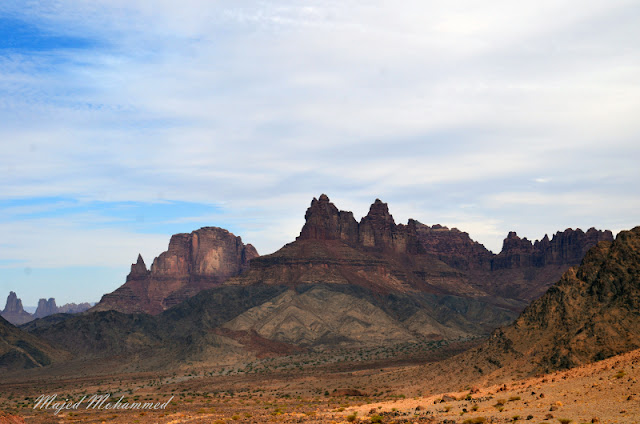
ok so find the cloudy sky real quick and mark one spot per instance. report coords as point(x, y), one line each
point(123, 122)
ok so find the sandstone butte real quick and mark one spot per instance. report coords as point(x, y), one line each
point(193, 262)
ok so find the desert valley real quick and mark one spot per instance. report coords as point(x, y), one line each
point(353, 321)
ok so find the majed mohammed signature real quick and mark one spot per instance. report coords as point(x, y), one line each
point(94, 402)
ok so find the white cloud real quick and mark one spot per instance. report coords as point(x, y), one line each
point(258, 106)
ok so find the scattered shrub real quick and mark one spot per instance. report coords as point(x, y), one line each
point(478, 420)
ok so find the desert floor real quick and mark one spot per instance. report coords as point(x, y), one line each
point(381, 391)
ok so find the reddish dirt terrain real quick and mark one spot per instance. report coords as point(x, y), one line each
point(386, 392)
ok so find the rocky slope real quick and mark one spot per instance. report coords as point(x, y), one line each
point(590, 314)
point(13, 311)
point(20, 350)
point(193, 262)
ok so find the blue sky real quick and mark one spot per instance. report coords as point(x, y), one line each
point(123, 122)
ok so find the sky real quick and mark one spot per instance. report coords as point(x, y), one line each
point(123, 122)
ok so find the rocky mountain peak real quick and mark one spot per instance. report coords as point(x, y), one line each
point(325, 222)
point(13, 303)
point(14, 312)
point(193, 262)
point(139, 268)
point(566, 247)
point(46, 308)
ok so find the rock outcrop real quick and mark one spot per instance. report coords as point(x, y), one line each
point(193, 262)
point(453, 247)
point(46, 308)
point(565, 248)
point(522, 271)
point(376, 231)
point(589, 315)
point(13, 311)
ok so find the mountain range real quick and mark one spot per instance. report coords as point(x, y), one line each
point(14, 311)
point(340, 284)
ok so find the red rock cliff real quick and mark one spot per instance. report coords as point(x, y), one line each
point(193, 262)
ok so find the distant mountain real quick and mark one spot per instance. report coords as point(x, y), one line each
point(202, 259)
point(45, 308)
point(48, 307)
point(522, 271)
point(73, 308)
point(592, 313)
point(13, 311)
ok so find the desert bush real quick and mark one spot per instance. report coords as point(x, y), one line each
point(478, 420)
point(564, 420)
point(514, 398)
point(376, 419)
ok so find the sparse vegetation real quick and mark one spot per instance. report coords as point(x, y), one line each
point(477, 420)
